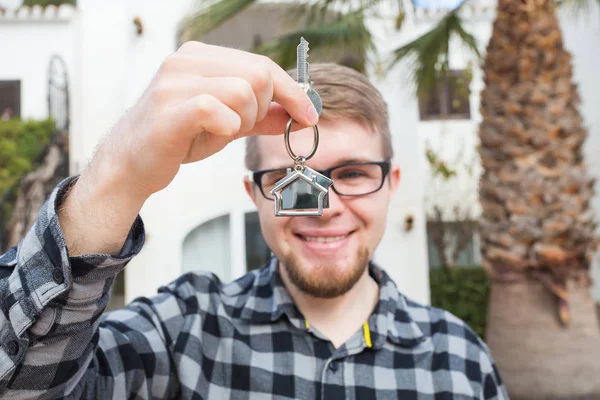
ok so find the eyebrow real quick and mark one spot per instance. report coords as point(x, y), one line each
point(291, 165)
point(340, 162)
point(354, 160)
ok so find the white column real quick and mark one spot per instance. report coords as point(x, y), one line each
point(237, 231)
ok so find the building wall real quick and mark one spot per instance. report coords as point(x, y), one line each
point(449, 138)
point(111, 65)
point(455, 141)
point(581, 35)
point(28, 40)
point(117, 65)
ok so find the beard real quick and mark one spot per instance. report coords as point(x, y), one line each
point(326, 281)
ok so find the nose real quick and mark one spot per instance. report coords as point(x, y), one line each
point(336, 205)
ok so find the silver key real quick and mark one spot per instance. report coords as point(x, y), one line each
point(304, 77)
point(303, 191)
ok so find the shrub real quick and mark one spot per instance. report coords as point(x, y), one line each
point(45, 3)
point(463, 292)
point(21, 143)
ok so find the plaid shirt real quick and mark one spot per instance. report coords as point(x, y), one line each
point(198, 338)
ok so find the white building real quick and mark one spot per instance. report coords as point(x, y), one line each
point(204, 220)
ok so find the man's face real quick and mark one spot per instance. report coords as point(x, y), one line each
point(325, 256)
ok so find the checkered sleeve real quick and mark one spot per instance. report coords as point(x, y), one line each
point(55, 341)
point(492, 386)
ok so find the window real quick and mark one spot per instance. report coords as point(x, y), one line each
point(448, 98)
point(10, 99)
point(453, 244)
point(117, 294)
point(257, 251)
point(208, 248)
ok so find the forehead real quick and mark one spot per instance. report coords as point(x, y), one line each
point(339, 140)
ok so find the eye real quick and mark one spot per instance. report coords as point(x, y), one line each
point(351, 174)
point(270, 178)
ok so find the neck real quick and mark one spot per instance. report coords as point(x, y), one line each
point(340, 317)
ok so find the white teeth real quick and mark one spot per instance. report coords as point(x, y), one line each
point(323, 239)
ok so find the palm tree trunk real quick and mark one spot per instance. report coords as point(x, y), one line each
point(537, 356)
point(537, 227)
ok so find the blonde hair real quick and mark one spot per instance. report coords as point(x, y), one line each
point(346, 94)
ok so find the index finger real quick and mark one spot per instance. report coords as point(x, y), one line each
point(289, 94)
point(273, 124)
point(286, 90)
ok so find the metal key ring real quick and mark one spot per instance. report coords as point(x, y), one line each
point(289, 148)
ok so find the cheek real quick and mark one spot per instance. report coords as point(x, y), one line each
point(372, 212)
point(272, 227)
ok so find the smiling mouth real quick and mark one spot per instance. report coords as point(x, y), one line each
point(323, 239)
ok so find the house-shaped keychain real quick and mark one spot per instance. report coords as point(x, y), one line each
point(302, 192)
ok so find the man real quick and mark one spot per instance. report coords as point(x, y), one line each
point(320, 321)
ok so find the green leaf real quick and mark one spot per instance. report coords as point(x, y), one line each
point(45, 3)
point(345, 36)
point(578, 8)
point(462, 291)
point(21, 145)
point(400, 19)
point(321, 11)
point(428, 55)
point(438, 166)
point(21, 142)
point(210, 16)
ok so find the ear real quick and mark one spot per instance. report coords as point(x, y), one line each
point(249, 186)
point(394, 180)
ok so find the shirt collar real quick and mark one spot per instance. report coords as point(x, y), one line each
point(393, 317)
point(267, 300)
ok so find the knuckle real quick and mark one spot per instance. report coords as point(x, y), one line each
point(245, 92)
point(170, 63)
point(261, 79)
point(264, 60)
point(204, 104)
point(161, 92)
point(203, 108)
point(229, 126)
point(185, 46)
point(234, 126)
point(190, 46)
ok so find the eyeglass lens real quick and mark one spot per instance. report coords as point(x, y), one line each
point(350, 180)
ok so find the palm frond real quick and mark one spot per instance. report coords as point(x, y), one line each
point(345, 36)
point(428, 55)
point(211, 15)
point(322, 11)
point(577, 8)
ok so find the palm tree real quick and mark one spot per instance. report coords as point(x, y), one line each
point(537, 226)
point(537, 223)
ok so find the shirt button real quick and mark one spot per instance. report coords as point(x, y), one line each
point(12, 348)
point(333, 366)
point(57, 276)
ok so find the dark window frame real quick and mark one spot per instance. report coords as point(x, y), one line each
point(471, 251)
point(436, 103)
point(5, 96)
point(258, 252)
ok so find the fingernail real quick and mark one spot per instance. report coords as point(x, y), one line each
point(313, 117)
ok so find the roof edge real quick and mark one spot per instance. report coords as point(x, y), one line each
point(64, 12)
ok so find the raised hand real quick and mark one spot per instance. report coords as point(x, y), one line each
point(201, 98)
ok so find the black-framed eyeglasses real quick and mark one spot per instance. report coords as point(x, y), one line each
point(349, 179)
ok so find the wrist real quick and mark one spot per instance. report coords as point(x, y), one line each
point(98, 212)
point(109, 181)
